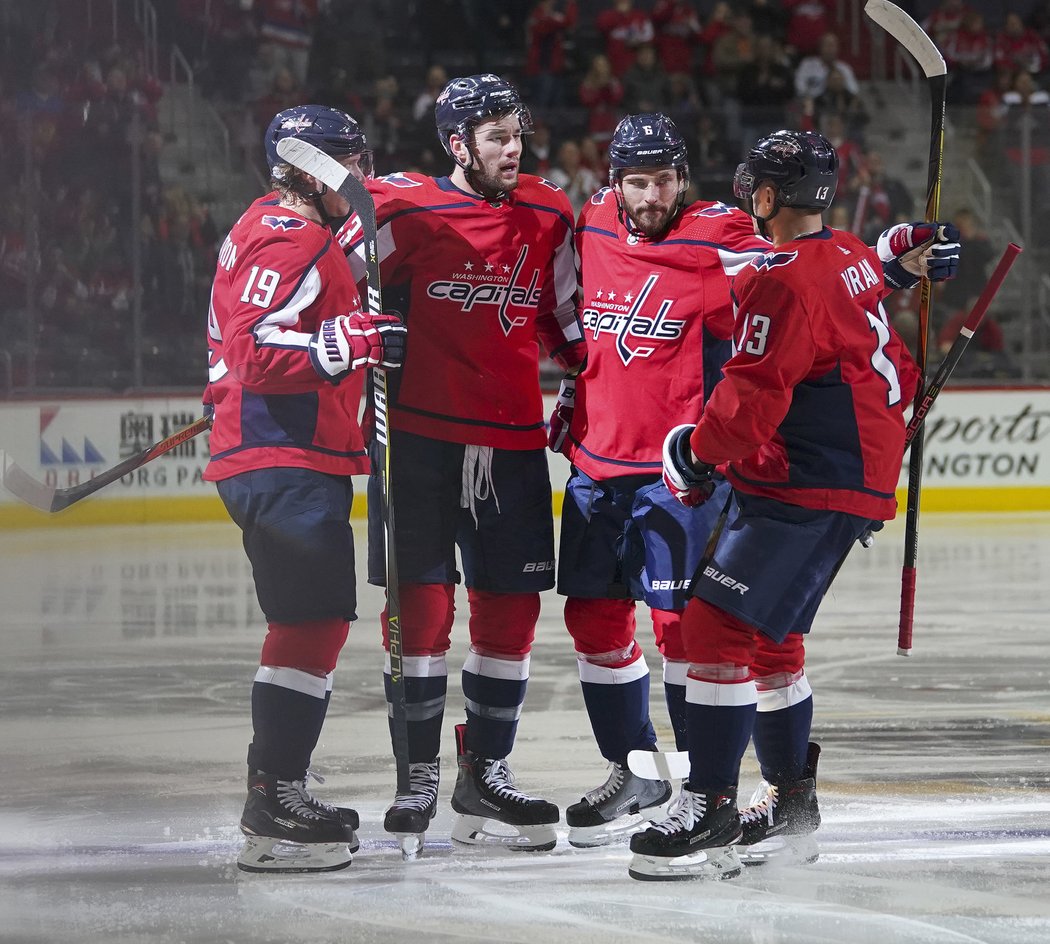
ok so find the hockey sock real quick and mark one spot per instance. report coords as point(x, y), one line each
point(426, 682)
point(782, 741)
point(617, 700)
point(288, 710)
point(720, 717)
point(494, 691)
point(674, 696)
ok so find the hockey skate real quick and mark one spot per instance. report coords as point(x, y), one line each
point(779, 823)
point(696, 841)
point(411, 813)
point(616, 809)
point(288, 830)
point(485, 796)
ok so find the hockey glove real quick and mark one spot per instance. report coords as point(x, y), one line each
point(561, 418)
point(689, 481)
point(911, 250)
point(351, 342)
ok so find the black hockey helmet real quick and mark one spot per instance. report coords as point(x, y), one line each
point(330, 130)
point(647, 140)
point(467, 101)
point(801, 165)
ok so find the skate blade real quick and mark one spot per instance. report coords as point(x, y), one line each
point(781, 850)
point(411, 845)
point(592, 837)
point(263, 854)
point(719, 864)
point(480, 831)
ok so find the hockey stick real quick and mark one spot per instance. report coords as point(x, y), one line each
point(48, 498)
point(333, 175)
point(955, 352)
point(911, 36)
point(674, 765)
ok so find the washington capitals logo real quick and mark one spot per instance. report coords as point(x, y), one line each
point(283, 222)
point(627, 324)
point(502, 291)
point(773, 259)
point(716, 209)
point(400, 180)
point(297, 124)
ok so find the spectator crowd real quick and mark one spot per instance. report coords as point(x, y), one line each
point(86, 107)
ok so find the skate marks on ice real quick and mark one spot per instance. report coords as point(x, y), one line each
point(124, 686)
point(909, 872)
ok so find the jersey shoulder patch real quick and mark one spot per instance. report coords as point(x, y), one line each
point(283, 223)
point(772, 260)
point(400, 180)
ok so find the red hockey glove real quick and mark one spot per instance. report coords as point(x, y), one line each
point(911, 250)
point(561, 418)
point(688, 480)
point(351, 342)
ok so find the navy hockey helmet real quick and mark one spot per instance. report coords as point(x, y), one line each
point(466, 102)
point(330, 130)
point(647, 140)
point(801, 165)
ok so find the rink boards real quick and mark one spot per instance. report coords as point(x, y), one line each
point(986, 450)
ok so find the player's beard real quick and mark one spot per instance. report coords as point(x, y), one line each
point(652, 221)
point(492, 185)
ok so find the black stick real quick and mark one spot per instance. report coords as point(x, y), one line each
point(48, 498)
point(911, 36)
point(336, 177)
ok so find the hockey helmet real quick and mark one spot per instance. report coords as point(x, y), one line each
point(647, 140)
point(330, 130)
point(466, 102)
point(801, 165)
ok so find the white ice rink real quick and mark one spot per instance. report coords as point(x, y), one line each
point(127, 659)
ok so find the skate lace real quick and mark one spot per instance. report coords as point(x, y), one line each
point(607, 789)
point(294, 797)
point(763, 803)
point(685, 812)
point(499, 778)
point(422, 786)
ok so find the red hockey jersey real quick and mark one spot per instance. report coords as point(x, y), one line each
point(811, 407)
point(480, 286)
point(657, 318)
point(278, 277)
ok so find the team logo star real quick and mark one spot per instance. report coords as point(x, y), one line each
point(628, 298)
point(489, 267)
point(468, 266)
point(612, 296)
point(599, 294)
point(506, 268)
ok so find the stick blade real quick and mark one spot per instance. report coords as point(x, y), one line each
point(313, 161)
point(330, 172)
point(25, 488)
point(909, 34)
point(653, 765)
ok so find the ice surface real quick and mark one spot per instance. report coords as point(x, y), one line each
point(128, 655)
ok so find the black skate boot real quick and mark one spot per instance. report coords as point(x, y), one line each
point(411, 813)
point(781, 819)
point(485, 792)
point(617, 808)
point(704, 827)
point(345, 815)
point(288, 830)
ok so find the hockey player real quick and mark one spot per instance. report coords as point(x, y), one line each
point(657, 314)
point(808, 426)
point(288, 348)
point(481, 263)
